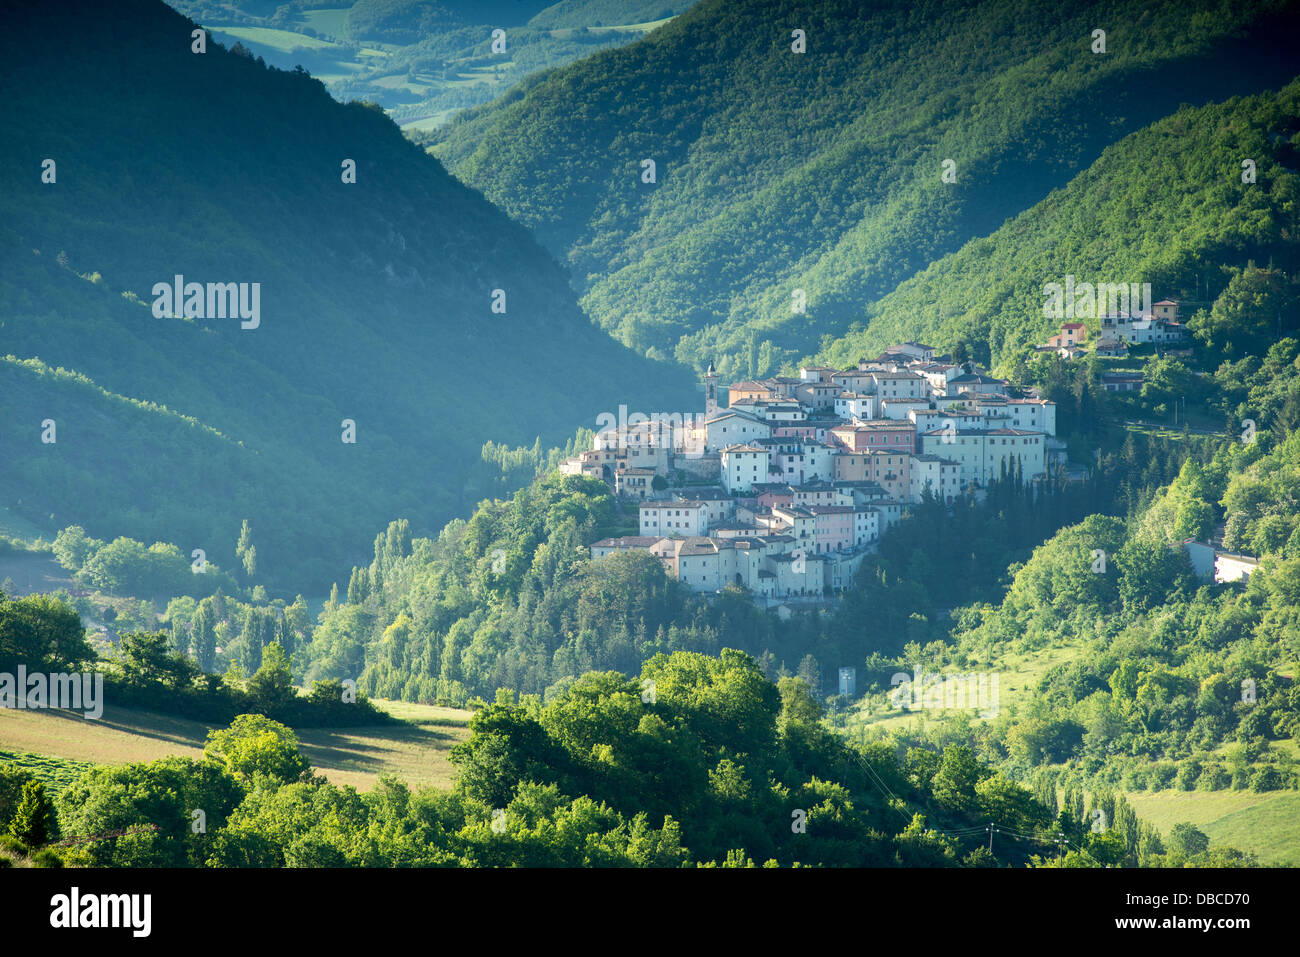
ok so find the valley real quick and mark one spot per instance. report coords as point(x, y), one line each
point(973, 543)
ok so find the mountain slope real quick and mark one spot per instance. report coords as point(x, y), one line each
point(821, 171)
point(376, 298)
point(1166, 205)
point(1145, 677)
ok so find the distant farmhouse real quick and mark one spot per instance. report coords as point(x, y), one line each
point(1216, 565)
point(1122, 381)
point(1120, 329)
point(1161, 325)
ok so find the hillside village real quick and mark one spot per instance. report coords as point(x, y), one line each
point(785, 489)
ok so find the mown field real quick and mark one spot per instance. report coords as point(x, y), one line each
point(1267, 825)
point(416, 752)
point(32, 572)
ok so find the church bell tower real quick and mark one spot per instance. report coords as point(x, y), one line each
point(710, 392)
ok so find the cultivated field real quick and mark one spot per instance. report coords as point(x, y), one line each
point(415, 752)
point(1267, 825)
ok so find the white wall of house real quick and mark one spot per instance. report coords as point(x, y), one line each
point(900, 385)
point(899, 409)
point(742, 468)
point(1231, 568)
point(855, 405)
point(941, 475)
point(701, 572)
point(866, 525)
point(674, 518)
point(1031, 414)
point(980, 455)
point(735, 429)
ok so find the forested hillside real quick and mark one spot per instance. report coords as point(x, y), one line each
point(697, 761)
point(1166, 205)
point(823, 171)
point(376, 305)
point(1151, 678)
point(512, 599)
point(418, 364)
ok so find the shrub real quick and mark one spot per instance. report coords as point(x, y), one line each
point(1213, 778)
point(47, 858)
point(12, 845)
point(1267, 778)
point(1162, 776)
point(1135, 779)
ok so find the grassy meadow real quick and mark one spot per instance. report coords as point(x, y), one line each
point(416, 751)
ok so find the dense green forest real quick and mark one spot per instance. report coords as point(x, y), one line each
point(697, 761)
point(823, 171)
point(376, 307)
point(1167, 206)
point(148, 670)
point(1164, 680)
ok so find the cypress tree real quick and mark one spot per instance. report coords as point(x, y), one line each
point(204, 635)
point(33, 822)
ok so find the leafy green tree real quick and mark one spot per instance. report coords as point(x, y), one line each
point(271, 686)
point(43, 633)
point(204, 635)
point(1150, 573)
point(180, 637)
point(1249, 314)
point(72, 547)
point(798, 703)
point(810, 672)
point(1106, 848)
point(243, 548)
point(146, 658)
point(254, 744)
point(155, 804)
point(12, 780)
point(506, 746)
point(955, 781)
point(254, 636)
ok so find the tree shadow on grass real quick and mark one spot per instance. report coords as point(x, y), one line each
point(339, 748)
point(361, 749)
point(140, 724)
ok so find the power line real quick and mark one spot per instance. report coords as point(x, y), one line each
point(960, 833)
